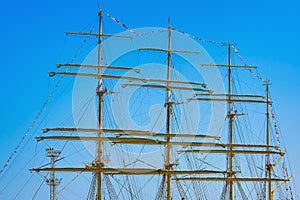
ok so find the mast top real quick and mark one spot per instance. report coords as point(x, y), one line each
point(267, 82)
point(99, 9)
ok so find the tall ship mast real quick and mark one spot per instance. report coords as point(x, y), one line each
point(158, 118)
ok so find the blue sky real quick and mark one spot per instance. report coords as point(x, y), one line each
point(32, 38)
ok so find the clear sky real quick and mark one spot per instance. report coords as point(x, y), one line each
point(32, 36)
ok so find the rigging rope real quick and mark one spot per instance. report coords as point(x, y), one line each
point(288, 186)
point(73, 179)
point(36, 192)
point(181, 190)
point(195, 184)
point(22, 188)
point(198, 38)
point(191, 36)
point(111, 191)
point(129, 187)
point(161, 190)
point(242, 192)
point(130, 29)
point(91, 194)
point(122, 186)
point(245, 63)
point(120, 23)
point(224, 191)
point(275, 126)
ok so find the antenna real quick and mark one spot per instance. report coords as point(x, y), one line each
point(52, 181)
